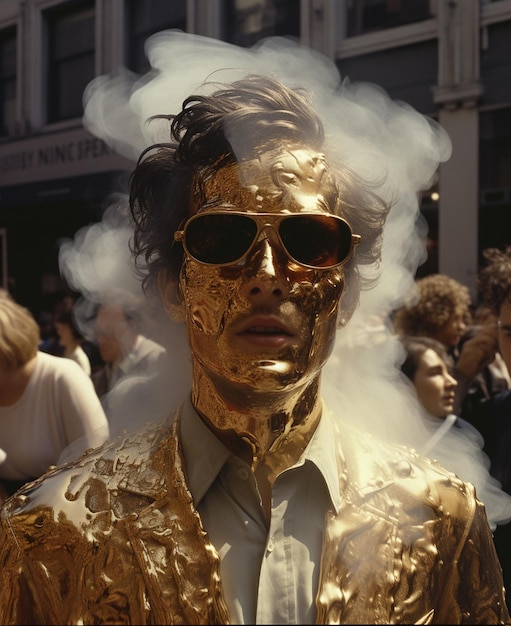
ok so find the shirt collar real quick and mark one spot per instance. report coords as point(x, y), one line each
point(323, 451)
point(205, 455)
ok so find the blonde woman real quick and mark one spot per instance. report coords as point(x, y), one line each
point(49, 411)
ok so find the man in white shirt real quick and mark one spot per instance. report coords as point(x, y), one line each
point(124, 350)
point(251, 503)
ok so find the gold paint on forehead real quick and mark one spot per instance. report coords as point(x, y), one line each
point(294, 180)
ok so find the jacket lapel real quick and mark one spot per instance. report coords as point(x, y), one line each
point(372, 545)
point(185, 570)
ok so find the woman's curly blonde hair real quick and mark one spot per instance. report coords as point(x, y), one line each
point(440, 298)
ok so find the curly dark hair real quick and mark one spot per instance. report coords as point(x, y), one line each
point(494, 279)
point(266, 115)
point(440, 297)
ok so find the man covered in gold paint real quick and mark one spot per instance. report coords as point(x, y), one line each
point(252, 503)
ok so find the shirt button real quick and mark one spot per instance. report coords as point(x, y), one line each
point(271, 545)
point(243, 473)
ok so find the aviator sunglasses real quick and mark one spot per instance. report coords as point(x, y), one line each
point(314, 240)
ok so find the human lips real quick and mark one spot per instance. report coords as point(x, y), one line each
point(449, 399)
point(267, 332)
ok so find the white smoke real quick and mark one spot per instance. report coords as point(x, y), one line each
point(99, 259)
point(386, 142)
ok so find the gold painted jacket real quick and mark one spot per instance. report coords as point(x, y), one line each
point(113, 538)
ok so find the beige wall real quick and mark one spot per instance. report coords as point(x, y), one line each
point(459, 193)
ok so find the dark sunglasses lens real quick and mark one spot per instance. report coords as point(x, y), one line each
point(316, 240)
point(218, 239)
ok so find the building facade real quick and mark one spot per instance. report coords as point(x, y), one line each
point(450, 60)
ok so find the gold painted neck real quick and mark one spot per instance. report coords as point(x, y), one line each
point(263, 428)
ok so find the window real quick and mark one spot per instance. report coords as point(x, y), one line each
point(248, 21)
point(494, 178)
point(70, 33)
point(8, 81)
point(365, 16)
point(146, 17)
point(495, 150)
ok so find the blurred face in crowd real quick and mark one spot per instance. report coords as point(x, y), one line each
point(504, 328)
point(257, 317)
point(65, 333)
point(451, 333)
point(115, 334)
point(434, 385)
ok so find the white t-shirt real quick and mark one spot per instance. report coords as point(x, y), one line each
point(58, 416)
point(80, 356)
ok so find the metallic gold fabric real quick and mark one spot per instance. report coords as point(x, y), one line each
point(114, 538)
point(110, 540)
point(410, 544)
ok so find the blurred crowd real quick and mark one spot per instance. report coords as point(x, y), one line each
point(457, 356)
point(56, 375)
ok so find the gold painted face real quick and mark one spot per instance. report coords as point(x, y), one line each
point(265, 321)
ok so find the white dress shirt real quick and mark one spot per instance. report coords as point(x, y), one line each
point(269, 573)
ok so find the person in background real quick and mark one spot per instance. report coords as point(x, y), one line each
point(426, 365)
point(49, 342)
point(71, 339)
point(494, 284)
point(494, 415)
point(442, 311)
point(49, 411)
point(479, 341)
point(454, 442)
point(124, 350)
point(252, 503)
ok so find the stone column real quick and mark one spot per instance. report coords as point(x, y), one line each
point(457, 93)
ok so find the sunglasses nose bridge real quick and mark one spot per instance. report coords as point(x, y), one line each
point(269, 231)
point(267, 249)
